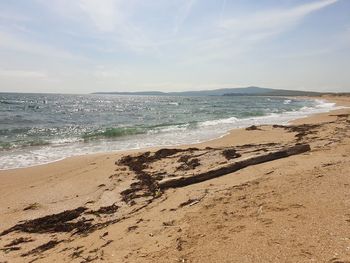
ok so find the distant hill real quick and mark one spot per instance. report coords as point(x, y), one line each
point(215, 92)
point(220, 92)
point(151, 93)
point(248, 91)
point(277, 92)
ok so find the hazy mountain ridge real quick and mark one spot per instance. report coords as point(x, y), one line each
point(246, 91)
point(278, 92)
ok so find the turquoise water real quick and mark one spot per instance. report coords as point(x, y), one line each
point(40, 128)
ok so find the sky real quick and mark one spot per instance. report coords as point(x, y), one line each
point(83, 46)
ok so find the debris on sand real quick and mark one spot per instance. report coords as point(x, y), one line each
point(301, 130)
point(60, 222)
point(31, 207)
point(188, 163)
point(105, 210)
point(9, 249)
point(230, 154)
point(252, 128)
point(18, 241)
point(49, 245)
point(181, 181)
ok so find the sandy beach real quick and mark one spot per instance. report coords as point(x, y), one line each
point(261, 194)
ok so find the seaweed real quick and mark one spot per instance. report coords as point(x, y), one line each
point(230, 154)
point(53, 223)
point(18, 241)
point(49, 245)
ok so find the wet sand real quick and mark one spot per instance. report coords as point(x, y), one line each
point(120, 207)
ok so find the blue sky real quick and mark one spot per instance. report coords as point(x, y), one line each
point(84, 46)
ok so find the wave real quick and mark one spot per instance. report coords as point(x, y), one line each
point(113, 133)
point(230, 120)
point(11, 102)
point(217, 126)
point(80, 140)
point(116, 132)
point(99, 134)
point(322, 104)
point(256, 118)
point(22, 144)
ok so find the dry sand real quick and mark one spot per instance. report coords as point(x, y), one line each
point(294, 209)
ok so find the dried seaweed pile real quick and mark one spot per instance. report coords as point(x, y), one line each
point(155, 172)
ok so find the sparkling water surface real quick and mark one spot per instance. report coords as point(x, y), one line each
point(41, 128)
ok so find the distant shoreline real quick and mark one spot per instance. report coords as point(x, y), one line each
point(246, 91)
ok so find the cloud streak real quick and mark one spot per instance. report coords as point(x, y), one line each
point(23, 74)
point(20, 44)
point(183, 14)
point(277, 20)
point(234, 36)
point(117, 23)
point(104, 14)
point(9, 17)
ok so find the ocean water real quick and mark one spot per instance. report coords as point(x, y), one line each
point(41, 128)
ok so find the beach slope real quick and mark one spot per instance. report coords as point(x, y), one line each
point(260, 194)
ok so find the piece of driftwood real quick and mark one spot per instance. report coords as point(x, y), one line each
point(266, 157)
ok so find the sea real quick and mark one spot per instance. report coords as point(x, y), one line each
point(41, 128)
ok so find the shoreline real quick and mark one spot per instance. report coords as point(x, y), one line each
point(227, 133)
point(116, 219)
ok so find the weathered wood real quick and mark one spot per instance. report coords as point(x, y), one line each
point(183, 181)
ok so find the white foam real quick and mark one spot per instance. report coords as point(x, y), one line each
point(165, 136)
point(220, 121)
point(65, 141)
point(172, 128)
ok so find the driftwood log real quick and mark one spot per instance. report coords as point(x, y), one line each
point(270, 156)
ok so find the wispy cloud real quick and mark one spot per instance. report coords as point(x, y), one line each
point(233, 36)
point(185, 11)
point(105, 14)
point(113, 26)
point(109, 20)
point(11, 17)
point(217, 39)
point(103, 72)
point(272, 21)
point(126, 25)
point(20, 44)
point(23, 74)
